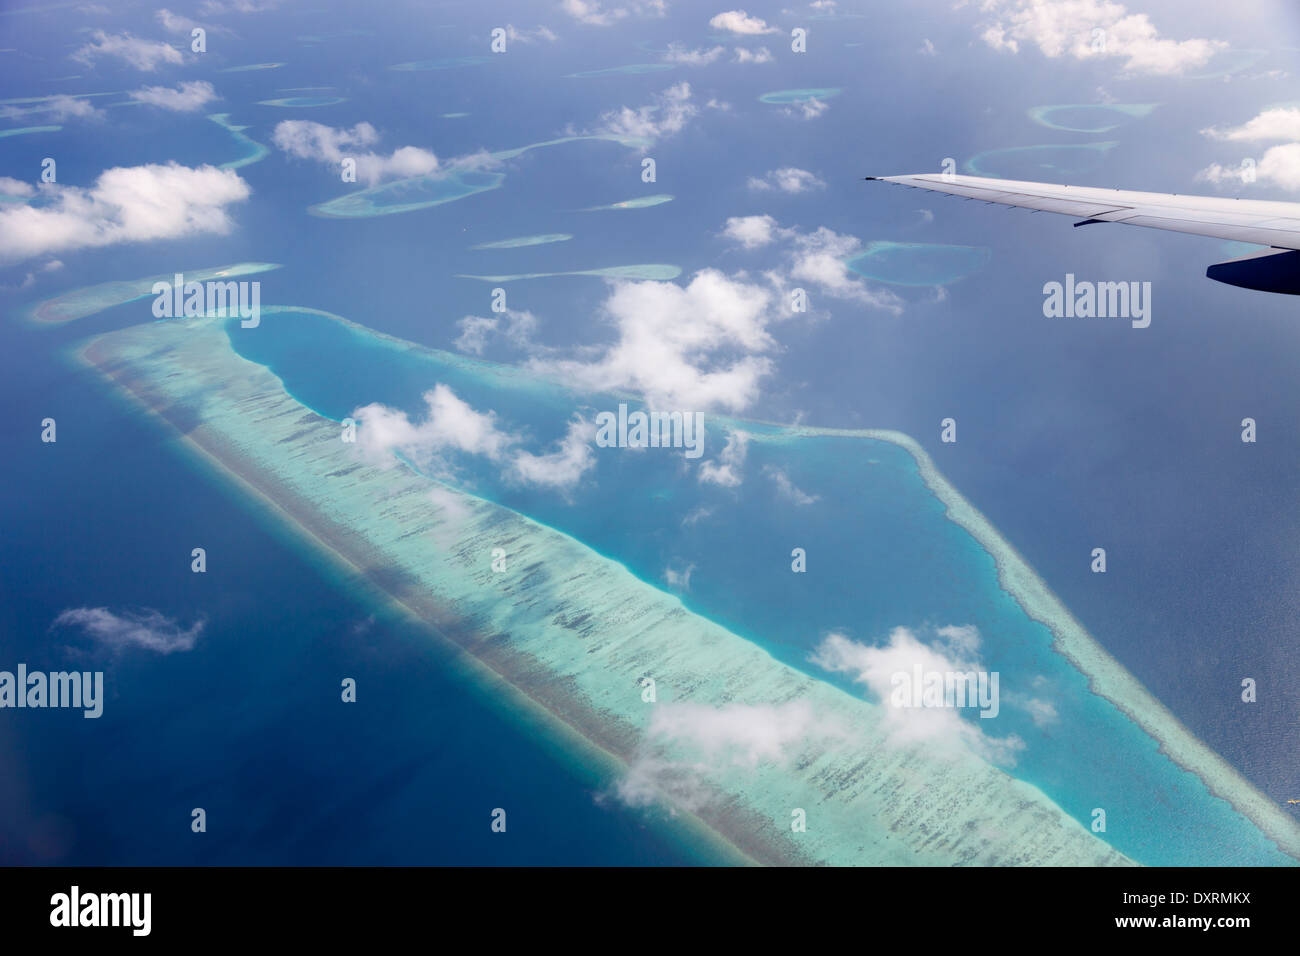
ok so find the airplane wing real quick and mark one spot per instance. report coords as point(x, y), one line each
point(1264, 222)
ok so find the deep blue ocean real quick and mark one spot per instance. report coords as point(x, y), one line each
point(1071, 436)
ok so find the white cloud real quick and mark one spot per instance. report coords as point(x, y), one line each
point(1279, 166)
point(16, 187)
point(688, 348)
point(186, 98)
point(233, 6)
point(727, 471)
point(696, 515)
point(1279, 122)
point(149, 630)
point(678, 53)
point(927, 48)
point(126, 204)
point(146, 55)
point(1092, 29)
point(818, 257)
point(786, 488)
point(516, 327)
point(761, 55)
point(30, 278)
point(932, 727)
point(787, 179)
point(564, 467)
point(530, 36)
point(668, 114)
point(452, 425)
point(308, 140)
point(173, 23)
point(738, 21)
point(679, 580)
point(685, 742)
point(596, 14)
point(810, 108)
point(65, 107)
point(753, 232)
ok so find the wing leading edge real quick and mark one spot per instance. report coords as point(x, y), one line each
point(1263, 222)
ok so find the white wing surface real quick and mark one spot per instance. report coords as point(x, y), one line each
point(1264, 222)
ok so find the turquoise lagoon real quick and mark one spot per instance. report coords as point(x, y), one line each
point(882, 553)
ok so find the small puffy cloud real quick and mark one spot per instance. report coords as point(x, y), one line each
point(1279, 166)
point(685, 740)
point(668, 114)
point(761, 55)
point(738, 21)
point(788, 179)
point(1280, 122)
point(816, 258)
point(564, 467)
point(882, 669)
point(529, 36)
point(594, 13)
point(516, 327)
point(679, 579)
point(696, 515)
point(31, 278)
point(126, 204)
point(1092, 29)
point(786, 488)
point(927, 48)
point(16, 187)
point(453, 426)
point(677, 53)
point(66, 107)
point(174, 23)
point(146, 55)
point(1041, 712)
point(810, 108)
point(309, 140)
point(148, 630)
point(690, 348)
point(213, 7)
point(819, 258)
point(186, 98)
point(728, 470)
point(752, 231)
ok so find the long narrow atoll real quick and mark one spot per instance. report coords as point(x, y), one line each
point(640, 202)
point(1106, 676)
point(433, 189)
point(577, 633)
point(254, 151)
point(646, 271)
point(519, 242)
point(79, 303)
point(918, 263)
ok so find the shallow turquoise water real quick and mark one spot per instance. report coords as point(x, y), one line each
point(918, 263)
point(880, 551)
